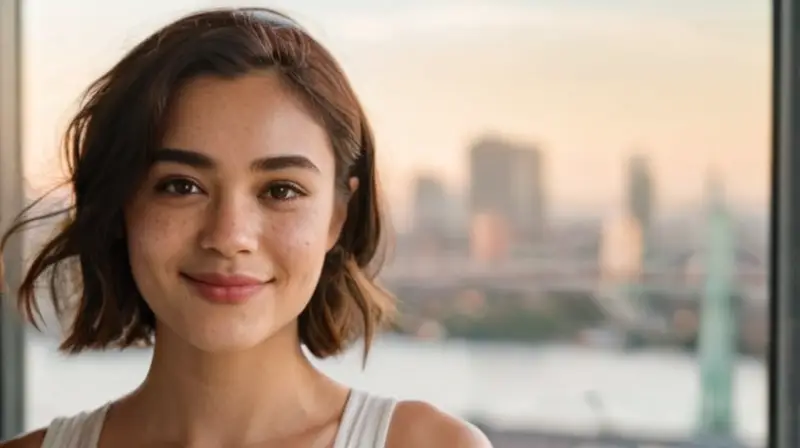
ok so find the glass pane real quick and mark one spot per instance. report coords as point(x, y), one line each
point(580, 191)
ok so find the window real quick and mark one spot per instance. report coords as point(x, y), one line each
point(11, 334)
point(582, 196)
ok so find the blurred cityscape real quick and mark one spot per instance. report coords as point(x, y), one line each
point(491, 263)
point(554, 295)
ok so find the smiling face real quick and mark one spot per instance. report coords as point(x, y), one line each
point(228, 233)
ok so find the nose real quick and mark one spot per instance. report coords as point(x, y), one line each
point(232, 227)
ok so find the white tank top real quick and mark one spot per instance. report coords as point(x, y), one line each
point(365, 424)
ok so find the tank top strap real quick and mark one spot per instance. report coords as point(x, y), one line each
point(79, 431)
point(365, 421)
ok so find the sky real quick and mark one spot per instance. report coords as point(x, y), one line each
point(686, 82)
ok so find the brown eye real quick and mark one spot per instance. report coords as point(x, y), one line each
point(179, 187)
point(282, 192)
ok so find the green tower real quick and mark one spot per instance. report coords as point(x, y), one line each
point(717, 339)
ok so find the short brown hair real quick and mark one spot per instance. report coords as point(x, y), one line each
point(109, 147)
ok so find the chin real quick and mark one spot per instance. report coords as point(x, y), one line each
point(225, 329)
point(222, 337)
point(223, 345)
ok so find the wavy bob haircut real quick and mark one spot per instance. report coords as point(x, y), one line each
point(109, 147)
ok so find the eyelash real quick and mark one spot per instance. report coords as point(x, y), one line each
point(164, 187)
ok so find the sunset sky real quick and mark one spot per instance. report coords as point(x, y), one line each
point(591, 81)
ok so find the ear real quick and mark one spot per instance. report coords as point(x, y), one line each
point(340, 213)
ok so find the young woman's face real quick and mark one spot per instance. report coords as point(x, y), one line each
point(228, 233)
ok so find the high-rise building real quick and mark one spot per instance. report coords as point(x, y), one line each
point(507, 179)
point(641, 191)
point(621, 248)
point(489, 237)
point(430, 205)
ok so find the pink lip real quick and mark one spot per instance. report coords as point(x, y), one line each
point(221, 288)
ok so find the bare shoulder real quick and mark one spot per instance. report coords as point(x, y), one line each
point(30, 440)
point(421, 425)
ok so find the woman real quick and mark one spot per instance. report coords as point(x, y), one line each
point(227, 211)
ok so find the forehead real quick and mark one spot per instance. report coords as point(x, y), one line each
point(244, 118)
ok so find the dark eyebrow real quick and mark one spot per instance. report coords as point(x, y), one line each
point(184, 157)
point(202, 161)
point(282, 162)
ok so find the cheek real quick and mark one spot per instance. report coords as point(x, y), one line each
point(298, 243)
point(155, 239)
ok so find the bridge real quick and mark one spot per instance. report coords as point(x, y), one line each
point(677, 287)
point(541, 275)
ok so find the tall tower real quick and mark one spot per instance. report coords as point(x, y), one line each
point(641, 191)
point(717, 338)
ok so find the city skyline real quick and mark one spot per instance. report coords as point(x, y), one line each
point(588, 82)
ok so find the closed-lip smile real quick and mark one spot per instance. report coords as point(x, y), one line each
point(224, 288)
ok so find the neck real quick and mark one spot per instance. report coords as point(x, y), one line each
point(267, 392)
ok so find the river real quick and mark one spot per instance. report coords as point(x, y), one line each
point(508, 386)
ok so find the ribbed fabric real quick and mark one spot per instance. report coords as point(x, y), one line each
point(365, 421)
point(365, 424)
point(79, 431)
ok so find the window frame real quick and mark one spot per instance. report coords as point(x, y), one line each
point(784, 388)
point(12, 334)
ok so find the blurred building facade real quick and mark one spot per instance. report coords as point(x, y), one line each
point(641, 192)
point(621, 248)
point(507, 182)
